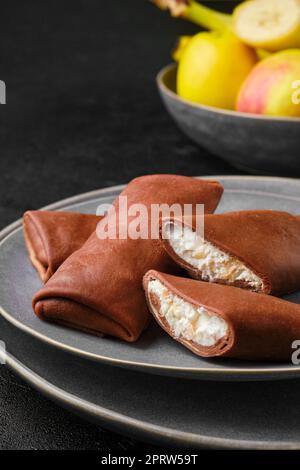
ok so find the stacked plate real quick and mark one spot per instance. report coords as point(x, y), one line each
point(155, 389)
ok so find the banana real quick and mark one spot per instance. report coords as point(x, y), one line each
point(197, 13)
point(272, 25)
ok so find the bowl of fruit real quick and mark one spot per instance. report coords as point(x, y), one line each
point(235, 88)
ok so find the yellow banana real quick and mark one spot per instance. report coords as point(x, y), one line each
point(197, 13)
point(269, 25)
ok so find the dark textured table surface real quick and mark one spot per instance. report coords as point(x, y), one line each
point(82, 113)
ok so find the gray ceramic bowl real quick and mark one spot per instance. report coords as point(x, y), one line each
point(254, 143)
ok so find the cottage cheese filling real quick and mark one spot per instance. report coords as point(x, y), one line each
point(187, 321)
point(213, 263)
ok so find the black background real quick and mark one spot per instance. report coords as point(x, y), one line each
point(82, 113)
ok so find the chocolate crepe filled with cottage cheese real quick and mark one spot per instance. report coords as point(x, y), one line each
point(99, 289)
point(51, 237)
point(216, 320)
point(256, 250)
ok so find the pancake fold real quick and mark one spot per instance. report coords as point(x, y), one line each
point(213, 320)
point(51, 237)
point(255, 250)
point(98, 289)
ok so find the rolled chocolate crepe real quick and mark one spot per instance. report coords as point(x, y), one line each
point(99, 289)
point(216, 320)
point(256, 250)
point(51, 237)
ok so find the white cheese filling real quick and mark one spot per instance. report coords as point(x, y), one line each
point(187, 321)
point(213, 263)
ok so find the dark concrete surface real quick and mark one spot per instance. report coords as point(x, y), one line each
point(82, 113)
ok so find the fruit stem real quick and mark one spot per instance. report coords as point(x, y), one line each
point(206, 17)
point(197, 13)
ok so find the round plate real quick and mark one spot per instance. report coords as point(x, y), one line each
point(162, 410)
point(155, 352)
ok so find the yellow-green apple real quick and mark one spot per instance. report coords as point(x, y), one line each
point(212, 68)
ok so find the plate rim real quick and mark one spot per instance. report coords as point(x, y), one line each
point(240, 374)
point(120, 422)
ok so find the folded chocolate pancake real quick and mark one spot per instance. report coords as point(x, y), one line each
point(51, 237)
point(99, 288)
point(256, 250)
point(216, 320)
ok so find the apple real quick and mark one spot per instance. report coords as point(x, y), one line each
point(272, 87)
point(212, 68)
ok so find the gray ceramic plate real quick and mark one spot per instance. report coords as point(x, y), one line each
point(155, 352)
point(267, 145)
point(161, 410)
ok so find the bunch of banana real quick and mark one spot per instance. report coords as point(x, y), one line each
point(219, 68)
